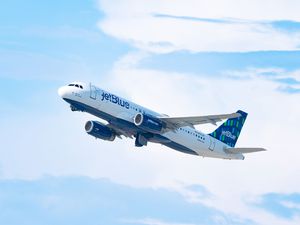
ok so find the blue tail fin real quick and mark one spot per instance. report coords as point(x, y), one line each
point(230, 130)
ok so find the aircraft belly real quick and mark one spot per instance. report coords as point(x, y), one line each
point(198, 147)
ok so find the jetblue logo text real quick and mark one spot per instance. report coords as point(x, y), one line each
point(115, 99)
point(228, 134)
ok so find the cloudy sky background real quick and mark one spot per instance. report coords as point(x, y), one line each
point(180, 58)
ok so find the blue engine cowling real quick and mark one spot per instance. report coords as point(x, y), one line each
point(148, 123)
point(99, 130)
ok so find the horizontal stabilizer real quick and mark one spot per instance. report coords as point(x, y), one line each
point(243, 150)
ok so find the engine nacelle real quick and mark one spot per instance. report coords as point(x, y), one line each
point(148, 123)
point(99, 130)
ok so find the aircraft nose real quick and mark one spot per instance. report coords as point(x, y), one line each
point(62, 92)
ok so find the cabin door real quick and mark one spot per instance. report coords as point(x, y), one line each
point(93, 92)
point(212, 143)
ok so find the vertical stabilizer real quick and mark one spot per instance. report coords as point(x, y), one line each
point(230, 130)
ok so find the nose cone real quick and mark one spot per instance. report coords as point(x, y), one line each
point(62, 92)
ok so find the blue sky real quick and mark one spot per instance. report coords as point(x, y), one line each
point(181, 59)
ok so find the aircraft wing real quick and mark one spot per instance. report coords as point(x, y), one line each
point(174, 123)
point(244, 150)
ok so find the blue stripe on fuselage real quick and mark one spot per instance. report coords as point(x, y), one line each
point(128, 126)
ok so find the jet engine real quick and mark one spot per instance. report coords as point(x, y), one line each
point(99, 130)
point(148, 123)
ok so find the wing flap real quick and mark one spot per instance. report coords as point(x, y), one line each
point(243, 150)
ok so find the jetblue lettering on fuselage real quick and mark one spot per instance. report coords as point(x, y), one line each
point(114, 99)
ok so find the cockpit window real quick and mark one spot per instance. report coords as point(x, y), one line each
point(76, 85)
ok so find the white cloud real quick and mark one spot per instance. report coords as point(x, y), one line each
point(294, 74)
point(288, 81)
point(267, 73)
point(134, 21)
point(245, 10)
point(291, 205)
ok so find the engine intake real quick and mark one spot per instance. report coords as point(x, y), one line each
point(148, 123)
point(99, 130)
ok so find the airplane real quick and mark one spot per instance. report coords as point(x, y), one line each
point(125, 118)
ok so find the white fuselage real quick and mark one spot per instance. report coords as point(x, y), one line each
point(120, 108)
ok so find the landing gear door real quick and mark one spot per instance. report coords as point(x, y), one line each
point(212, 143)
point(93, 92)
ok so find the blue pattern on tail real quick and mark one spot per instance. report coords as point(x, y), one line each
point(230, 130)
